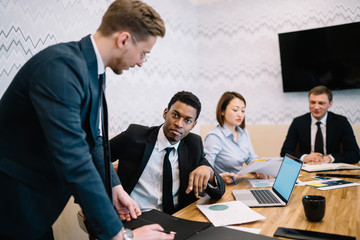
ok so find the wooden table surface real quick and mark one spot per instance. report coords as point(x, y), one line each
point(342, 215)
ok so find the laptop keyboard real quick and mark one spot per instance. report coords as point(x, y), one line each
point(264, 196)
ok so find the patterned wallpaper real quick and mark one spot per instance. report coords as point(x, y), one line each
point(209, 48)
point(239, 50)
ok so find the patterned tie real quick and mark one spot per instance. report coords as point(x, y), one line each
point(167, 199)
point(319, 142)
point(104, 128)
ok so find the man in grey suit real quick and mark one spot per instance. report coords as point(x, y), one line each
point(50, 143)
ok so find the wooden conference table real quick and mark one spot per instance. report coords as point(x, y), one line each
point(342, 215)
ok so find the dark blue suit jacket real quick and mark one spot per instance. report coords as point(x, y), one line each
point(133, 148)
point(340, 139)
point(50, 146)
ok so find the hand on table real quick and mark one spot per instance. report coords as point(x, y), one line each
point(199, 178)
point(316, 158)
point(263, 176)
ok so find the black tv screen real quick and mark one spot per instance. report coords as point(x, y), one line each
point(328, 56)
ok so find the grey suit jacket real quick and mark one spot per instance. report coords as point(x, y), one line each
point(50, 146)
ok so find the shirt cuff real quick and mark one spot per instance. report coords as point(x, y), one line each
point(212, 186)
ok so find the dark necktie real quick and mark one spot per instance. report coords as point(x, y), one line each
point(167, 199)
point(104, 129)
point(319, 142)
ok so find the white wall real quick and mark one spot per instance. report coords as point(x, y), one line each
point(210, 47)
point(239, 51)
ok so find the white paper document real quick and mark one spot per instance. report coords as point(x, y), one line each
point(268, 166)
point(329, 183)
point(228, 213)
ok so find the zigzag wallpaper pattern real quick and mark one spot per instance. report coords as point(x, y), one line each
point(209, 48)
point(239, 51)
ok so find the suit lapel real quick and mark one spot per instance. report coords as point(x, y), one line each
point(307, 132)
point(183, 167)
point(329, 130)
point(149, 147)
point(94, 84)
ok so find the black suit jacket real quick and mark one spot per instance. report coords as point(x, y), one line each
point(50, 146)
point(134, 147)
point(340, 139)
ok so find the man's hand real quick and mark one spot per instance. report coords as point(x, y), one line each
point(125, 206)
point(199, 178)
point(147, 232)
point(313, 158)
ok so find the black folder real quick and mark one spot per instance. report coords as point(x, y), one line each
point(183, 228)
point(192, 230)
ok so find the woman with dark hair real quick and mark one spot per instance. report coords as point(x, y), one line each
point(228, 145)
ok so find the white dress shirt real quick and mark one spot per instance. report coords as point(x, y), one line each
point(148, 190)
point(313, 131)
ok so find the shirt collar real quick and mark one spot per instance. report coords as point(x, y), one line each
point(100, 63)
point(227, 132)
point(162, 141)
point(314, 120)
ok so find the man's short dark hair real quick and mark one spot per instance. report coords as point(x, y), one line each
point(189, 99)
point(321, 90)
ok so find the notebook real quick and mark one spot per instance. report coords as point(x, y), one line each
point(281, 191)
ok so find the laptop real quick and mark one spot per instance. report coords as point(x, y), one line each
point(281, 191)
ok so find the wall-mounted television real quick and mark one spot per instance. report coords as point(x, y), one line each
point(328, 56)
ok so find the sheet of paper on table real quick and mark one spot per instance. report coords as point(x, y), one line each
point(228, 213)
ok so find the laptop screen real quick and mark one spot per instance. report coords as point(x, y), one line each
point(287, 176)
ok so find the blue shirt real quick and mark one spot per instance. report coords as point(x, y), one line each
point(224, 153)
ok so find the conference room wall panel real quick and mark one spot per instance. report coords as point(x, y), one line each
point(210, 47)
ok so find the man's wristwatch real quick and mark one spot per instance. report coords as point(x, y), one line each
point(128, 234)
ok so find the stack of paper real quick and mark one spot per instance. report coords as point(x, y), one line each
point(329, 167)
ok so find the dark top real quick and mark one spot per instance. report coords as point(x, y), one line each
point(340, 138)
point(50, 146)
point(133, 148)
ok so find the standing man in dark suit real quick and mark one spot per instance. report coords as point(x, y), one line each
point(142, 152)
point(321, 136)
point(50, 143)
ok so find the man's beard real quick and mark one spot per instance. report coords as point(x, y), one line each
point(120, 66)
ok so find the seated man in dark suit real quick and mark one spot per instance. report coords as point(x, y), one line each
point(321, 136)
point(142, 151)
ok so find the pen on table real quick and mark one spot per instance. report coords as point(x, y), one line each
point(232, 178)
